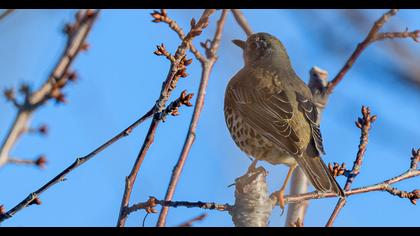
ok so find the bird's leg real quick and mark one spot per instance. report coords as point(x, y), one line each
point(281, 191)
point(252, 166)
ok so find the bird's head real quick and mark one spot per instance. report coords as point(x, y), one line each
point(260, 47)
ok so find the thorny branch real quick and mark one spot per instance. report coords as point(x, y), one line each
point(372, 36)
point(207, 64)
point(59, 77)
point(364, 124)
point(177, 69)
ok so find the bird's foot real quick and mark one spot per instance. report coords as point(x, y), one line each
point(252, 167)
point(281, 201)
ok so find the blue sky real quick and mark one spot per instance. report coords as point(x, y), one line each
point(120, 78)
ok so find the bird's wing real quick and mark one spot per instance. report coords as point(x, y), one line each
point(311, 114)
point(269, 115)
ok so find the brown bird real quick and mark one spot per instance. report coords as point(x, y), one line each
point(270, 114)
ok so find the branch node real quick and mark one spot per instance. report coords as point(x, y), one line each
point(415, 159)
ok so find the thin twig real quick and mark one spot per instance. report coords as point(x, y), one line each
point(6, 13)
point(382, 186)
point(207, 65)
point(364, 125)
point(195, 219)
point(168, 86)
point(58, 78)
point(39, 162)
point(78, 162)
point(239, 17)
point(162, 16)
point(372, 36)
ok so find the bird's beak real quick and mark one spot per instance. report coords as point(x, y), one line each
point(239, 43)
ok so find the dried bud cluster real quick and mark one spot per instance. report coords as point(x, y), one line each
point(36, 201)
point(367, 118)
point(41, 161)
point(59, 84)
point(161, 51)
point(9, 94)
point(2, 209)
point(159, 16)
point(173, 107)
point(415, 159)
point(337, 170)
point(151, 203)
point(414, 196)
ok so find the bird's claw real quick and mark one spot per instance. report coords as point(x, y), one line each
point(281, 201)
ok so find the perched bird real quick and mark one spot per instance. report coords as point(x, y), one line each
point(270, 114)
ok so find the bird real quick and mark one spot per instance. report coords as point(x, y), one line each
point(271, 116)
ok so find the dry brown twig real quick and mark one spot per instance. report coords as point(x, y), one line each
point(6, 13)
point(52, 88)
point(177, 70)
point(372, 36)
point(241, 20)
point(364, 124)
point(189, 223)
point(77, 34)
point(207, 64)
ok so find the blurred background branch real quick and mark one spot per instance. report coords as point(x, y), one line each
point(52, 88)
point(5, 13)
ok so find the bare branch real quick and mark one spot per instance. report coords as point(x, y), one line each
point(254, 180)
point(162, 16)
point(370, 38)
point(240, 18)
point(364, 125)
point(78, 162)
point(176, 70)
point(6, 13)
point(149, 205)
point(195, 219)
point(39, 162)
point(207, 65)
point(77, 34)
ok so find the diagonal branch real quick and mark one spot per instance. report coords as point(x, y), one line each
point(211, 48)
point(77, 34)
point(372, 36)
point(177, 69)
point(195, 219)
point(78, 162)
point(364, 125)
point(241, 20)
point(6, 13)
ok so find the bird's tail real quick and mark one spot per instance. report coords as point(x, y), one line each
point(319, 174)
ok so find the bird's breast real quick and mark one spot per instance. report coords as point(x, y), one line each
point(252, 143)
